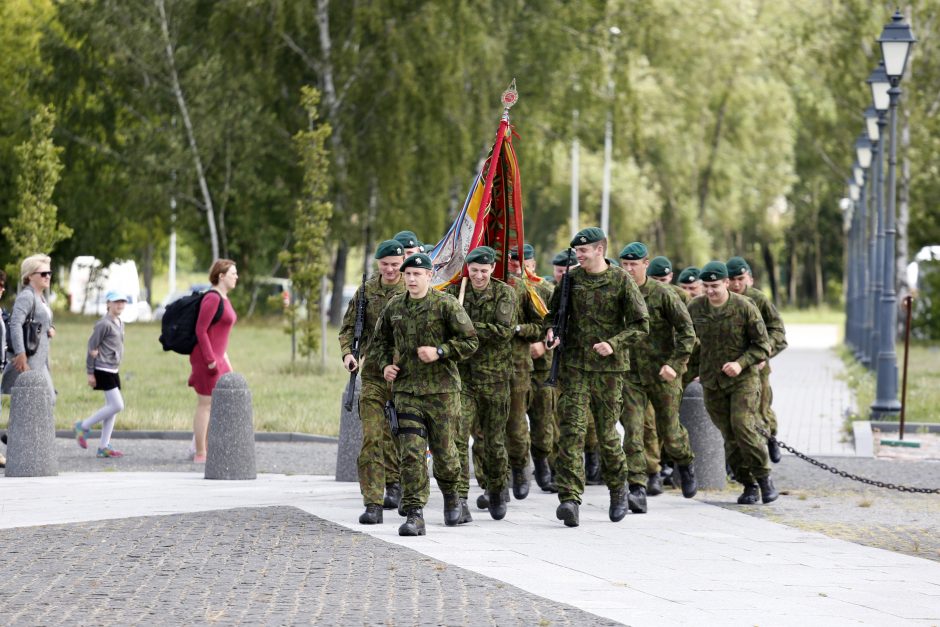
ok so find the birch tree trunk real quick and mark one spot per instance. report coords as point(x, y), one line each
point(188, 125)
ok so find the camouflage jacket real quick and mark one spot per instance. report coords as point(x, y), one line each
point(732, 332)
point(530, 326)
point(377, 295)
point(604, 307)
point(492, 312)
point(671, 336)
point(543, 363)
point(683, 295)
point(772, 320)
point(435, 320)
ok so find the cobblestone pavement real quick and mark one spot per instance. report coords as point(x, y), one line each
point(815, 500)
point(272, 566)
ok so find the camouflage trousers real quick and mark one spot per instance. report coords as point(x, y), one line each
point(543, 421)
point(484, 409)
point(517, 427)
point(583, 395)
point(661, 427)
point(590, 438)
point(378, 457)
point(631, 418)
point(439, 415)
point(736, 413)
point(766, 398)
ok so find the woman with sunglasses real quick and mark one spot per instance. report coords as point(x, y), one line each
point(35, 277)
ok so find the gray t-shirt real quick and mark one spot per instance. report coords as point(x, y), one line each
point(108, 339)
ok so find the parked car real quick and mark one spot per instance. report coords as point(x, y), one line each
point(175, 296)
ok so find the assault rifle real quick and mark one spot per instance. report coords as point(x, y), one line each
point(560, 324)
point(356, 344)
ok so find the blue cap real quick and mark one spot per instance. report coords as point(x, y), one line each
point(115, 295)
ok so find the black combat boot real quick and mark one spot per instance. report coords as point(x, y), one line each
point(749, 496)
point(568, 512)
point(773, 450)
point(451, 509)
point(687, 479)
point(636, 499)
point(497, 504)
point(520, 484)
point(768, 493)
point(465, 516)
point(654, 485)
point(414, 526)
point(483, 502)
point(592, 468)
point(372, 515)
point(392, 495)
point(542, 473)
point(618, 504)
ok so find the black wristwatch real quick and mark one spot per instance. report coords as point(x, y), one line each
point(440, 352)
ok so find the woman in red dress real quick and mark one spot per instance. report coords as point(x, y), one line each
point(209, 358)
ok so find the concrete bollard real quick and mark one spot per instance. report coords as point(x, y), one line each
point(705, 438)
point(350, 439)
point(231, 439)
point(31, 434)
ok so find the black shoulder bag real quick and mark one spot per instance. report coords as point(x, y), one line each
point(31, 330)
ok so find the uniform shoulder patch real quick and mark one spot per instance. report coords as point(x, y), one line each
point(462, 317)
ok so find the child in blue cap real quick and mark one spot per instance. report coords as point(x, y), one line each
point(105, 351)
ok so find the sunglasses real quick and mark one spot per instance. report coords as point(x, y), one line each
point(47, 274)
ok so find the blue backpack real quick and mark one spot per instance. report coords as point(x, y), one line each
point(178, 328)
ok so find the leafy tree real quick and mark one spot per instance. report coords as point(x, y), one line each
point(35, 228)
point(306, 259)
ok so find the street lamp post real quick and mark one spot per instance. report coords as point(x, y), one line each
point(896, 41)
point(863, 153)
point(861, 351)
point(856, 269)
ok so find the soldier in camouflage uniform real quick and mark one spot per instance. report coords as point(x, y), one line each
point(592, 459)
point(741, 281)
point(733, 341)
point(378, 458)
point(607, 316)
point(656, 366)
point(409, 241)
point(691, 285)
point(418, 339)
point(528, 329)
point(543, 425)
point(484, 397)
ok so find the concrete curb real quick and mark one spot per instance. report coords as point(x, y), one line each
point(273, 436)
point(892, 426)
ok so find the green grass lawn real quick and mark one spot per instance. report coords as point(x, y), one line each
point(813, 315)
point(286, 397)
point(923, 393)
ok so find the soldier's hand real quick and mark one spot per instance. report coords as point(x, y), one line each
point(536, 350)
point(667, 373)
point(428, 354)
point(603, 349)
point(732, 369)
point(550, 341)
point(390, 372)
point(761, 365)
point(350, 362)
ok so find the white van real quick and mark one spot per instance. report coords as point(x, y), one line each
point(89, 283)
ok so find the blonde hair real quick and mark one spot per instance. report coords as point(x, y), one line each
point(32, 264)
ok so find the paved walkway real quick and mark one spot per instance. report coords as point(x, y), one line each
point(810, 398)
point(684, 563)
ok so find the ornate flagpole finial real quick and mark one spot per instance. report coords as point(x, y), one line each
point(510, 97)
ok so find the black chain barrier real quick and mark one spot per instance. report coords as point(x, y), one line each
point(848, 475)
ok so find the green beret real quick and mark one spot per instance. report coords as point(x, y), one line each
point(659, 266)
point(407, 239)
point(527, 252)
point(689, 275)
point(589, 235)
point(737, 266)
point(634, 251)
point(389, 248)
point(481, 254)
point(417, 260)
point(422, 248)
point(714, 271)
point(564, 259)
